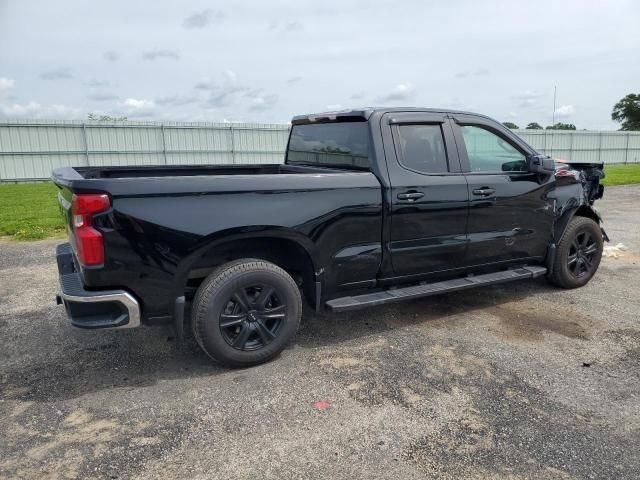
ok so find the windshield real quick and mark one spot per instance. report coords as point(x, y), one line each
point(343, 144)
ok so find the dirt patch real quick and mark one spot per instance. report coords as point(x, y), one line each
point(530, 320)
point(444, 361)
point(472, 441)
point(81, 445)
point(435, 312)
point(521, 319)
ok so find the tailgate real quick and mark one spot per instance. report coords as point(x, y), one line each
point(64, 202)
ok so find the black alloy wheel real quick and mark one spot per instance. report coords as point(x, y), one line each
point(582, 252)
point(252, 317)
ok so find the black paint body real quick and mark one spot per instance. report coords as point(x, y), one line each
point(350, 226)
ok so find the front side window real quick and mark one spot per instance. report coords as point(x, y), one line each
point(422, 148)
point(342, 144)
point(488, 152)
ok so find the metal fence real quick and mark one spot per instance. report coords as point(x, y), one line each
point(30, 149)
point(585, 145)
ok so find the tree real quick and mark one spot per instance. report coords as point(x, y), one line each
point(561, 126)
point(105, 118)
point(627, 112)
point(534, 126)
point(510, 125)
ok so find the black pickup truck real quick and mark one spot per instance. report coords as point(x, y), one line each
point(370, 207)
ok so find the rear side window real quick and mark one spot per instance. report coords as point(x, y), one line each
point(422, 148)
point(343, 144)
point(488, 152)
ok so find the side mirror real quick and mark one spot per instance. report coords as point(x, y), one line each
point(541, 164)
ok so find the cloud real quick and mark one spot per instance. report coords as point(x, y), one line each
point(262, 103)
point(57, 74)
point(292, 26)
point(334, 107)
point(527, 98)
point(402, 91)
point(110, 56)
point(137, 104)
point(176, 100)
point(473, 73)
point(6, 84)
point(102, 96)
point(160, 53)
point(219, 98)
point(357, 96)
point(229, 90)
point(527, 94)
point(202, 19)
point(204, 85)
point(230, 76)
point(293, 80)
point(457, 104)
point(98, 83)
point(138, 107)
point(565, 111)
point(225, 92)
point(529, 102)
point(36, 110)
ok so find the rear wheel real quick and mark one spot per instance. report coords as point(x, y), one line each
point(246, 312)
point(578, 253)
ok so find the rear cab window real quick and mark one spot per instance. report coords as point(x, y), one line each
point(422, 148)
point(333, 145)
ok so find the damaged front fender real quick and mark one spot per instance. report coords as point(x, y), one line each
point(577, 188)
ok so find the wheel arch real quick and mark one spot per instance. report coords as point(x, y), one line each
point(290, 250)
point(579, 211)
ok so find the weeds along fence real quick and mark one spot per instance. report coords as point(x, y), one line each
point(30, 149)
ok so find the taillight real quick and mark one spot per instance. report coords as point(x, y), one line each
point(88, 241)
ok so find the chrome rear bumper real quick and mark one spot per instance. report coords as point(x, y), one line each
point(93, 309)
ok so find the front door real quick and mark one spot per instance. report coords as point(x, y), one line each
point(429, 196)
point(510, 216)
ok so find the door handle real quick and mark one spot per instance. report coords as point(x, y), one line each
point(410, 196)
point(484, 191)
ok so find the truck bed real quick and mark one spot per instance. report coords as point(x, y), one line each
point(155, 171)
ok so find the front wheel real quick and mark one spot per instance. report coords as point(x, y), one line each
point(246, 312)
point(578, 253)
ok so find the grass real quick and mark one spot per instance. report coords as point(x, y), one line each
point(29, 211)
point(621, 174)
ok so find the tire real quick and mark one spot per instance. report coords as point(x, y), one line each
point(246, 312)
point(578, 253)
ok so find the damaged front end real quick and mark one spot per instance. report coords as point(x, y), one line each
point(577, 188)
point(587, 174)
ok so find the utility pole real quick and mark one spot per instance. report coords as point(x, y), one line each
point(553, 119)
point(553, 116)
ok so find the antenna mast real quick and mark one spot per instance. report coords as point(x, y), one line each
point(553, 116)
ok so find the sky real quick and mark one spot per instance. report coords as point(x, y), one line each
point(265, 61)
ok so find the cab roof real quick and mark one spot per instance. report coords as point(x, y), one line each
point(363, 114)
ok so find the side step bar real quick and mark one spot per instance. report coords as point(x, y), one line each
point(345, 304)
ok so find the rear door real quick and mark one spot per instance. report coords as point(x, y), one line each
point(510, 214)
point(429, 195)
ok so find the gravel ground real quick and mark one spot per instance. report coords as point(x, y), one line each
point(515, 381)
